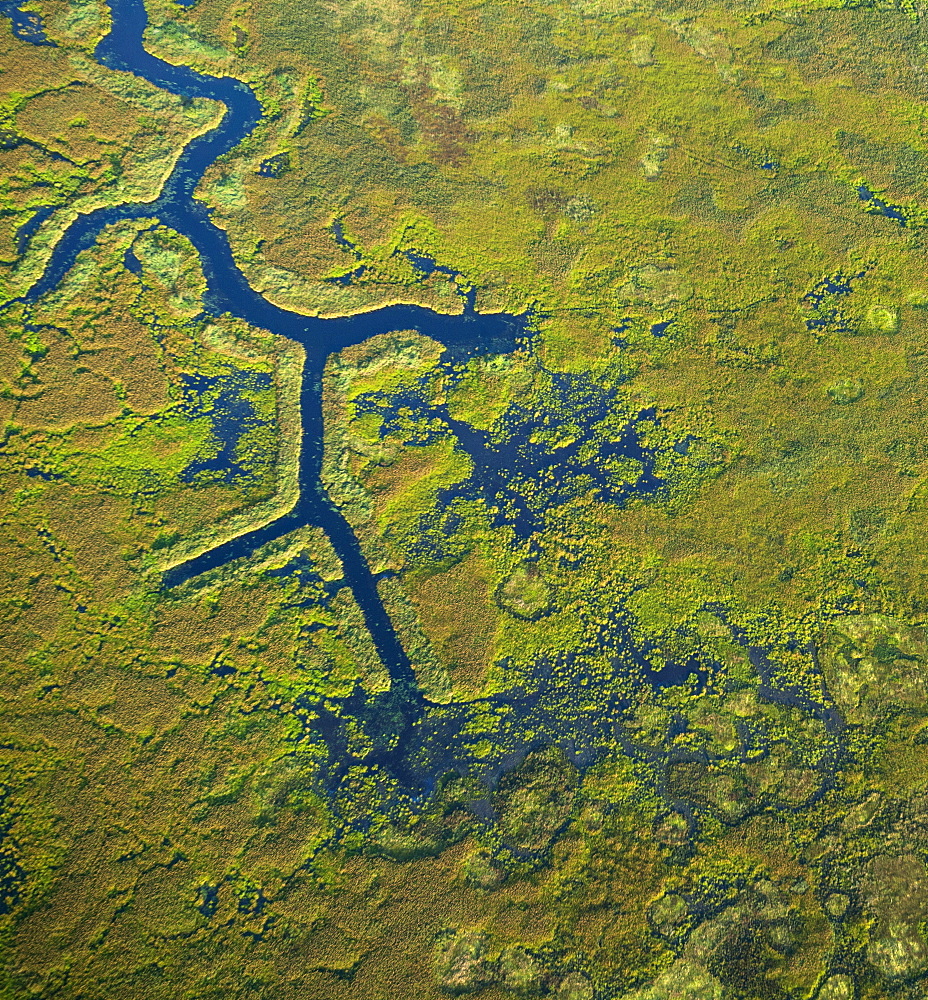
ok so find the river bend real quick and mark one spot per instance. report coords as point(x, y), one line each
point(228, 291)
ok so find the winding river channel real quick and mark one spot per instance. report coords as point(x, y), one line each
point(229, 292)
point(412, 739)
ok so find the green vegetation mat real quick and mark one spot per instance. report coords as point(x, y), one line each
point(661, 572)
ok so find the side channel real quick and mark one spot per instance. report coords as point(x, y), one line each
point(229, 291)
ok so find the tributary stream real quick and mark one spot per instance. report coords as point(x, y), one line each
point(229, 292)
point(413, 740)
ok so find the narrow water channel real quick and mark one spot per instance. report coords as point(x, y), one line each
point(229, 292)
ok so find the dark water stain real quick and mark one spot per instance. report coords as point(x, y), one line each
point(132, 263)
point(29, 228)
point(674, 674)
point(209, 900)
point(275, 166)
point(34, 473)
point(876, 206)
point(423, 265)
point(823, 292)
point(232, 415)
point(835, 284)
point(415, 742)
point(537, 457)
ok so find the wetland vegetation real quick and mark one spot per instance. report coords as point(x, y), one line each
point(587, 659)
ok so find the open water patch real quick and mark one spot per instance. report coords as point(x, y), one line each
point(27, 25)
point(132, 263)
point(876, 206)
point(424, 267)
point(224, 398)
point(537, 457)
point(824, 301)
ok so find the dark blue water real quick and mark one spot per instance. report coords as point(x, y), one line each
point(29, 228)
point(338, 232)
point(423, 265)
point(131, 262)
point(410, 740)
point(830, 288)
point(835, 284)
point(275, 166)
point(530, 464)
point(877, 206)
point(26, 24)
point(660, 329)
point(222, 399)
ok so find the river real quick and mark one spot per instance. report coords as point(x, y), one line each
point(409, 738)
point(228, 291)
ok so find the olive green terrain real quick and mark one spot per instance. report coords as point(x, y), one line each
point(718, 217)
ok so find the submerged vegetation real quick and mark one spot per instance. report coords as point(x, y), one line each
point(659, 570)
